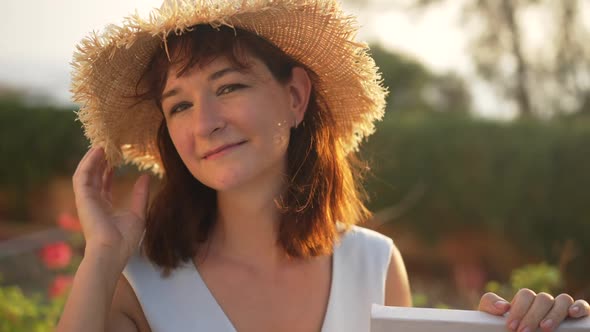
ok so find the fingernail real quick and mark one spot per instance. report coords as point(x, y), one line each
point(500, 304)
point(548, 323)
point(514, 325)
point(575, 309)
point(527, 329)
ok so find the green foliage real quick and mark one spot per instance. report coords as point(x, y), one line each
point(413, 88)
point(526, 180)
point(421, 300)
point(537, 277)
point(540, 277)
point(21, 313)
point(37, 143)
point(39, 312)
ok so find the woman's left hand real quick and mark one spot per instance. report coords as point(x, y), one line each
point(529, 311)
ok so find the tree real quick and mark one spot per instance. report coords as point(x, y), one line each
point(413, 88)
point(543, 77)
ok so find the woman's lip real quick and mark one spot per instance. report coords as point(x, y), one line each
point(218, 151)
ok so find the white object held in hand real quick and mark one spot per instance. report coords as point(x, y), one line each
point(389, 319)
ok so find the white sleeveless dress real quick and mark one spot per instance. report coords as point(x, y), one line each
point(182, 301)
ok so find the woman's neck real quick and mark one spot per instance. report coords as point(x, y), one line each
point(247, 224)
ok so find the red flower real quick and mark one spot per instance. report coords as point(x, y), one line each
point(69, 222)
point(56, 255)
point(60, 285)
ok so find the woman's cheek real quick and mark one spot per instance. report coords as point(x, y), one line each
point(183, 143)
point(279, 135)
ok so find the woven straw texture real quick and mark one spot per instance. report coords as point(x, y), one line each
point(107, 67)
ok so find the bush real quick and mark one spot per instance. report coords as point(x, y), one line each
point(537, 277)
point(21, 313)
point(37, 143)
point(40, 312)
point(526, 180)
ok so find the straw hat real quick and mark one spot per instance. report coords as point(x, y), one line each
point(107, 67)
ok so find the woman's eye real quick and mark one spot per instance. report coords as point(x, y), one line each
point(225, 89)
point(179, 107)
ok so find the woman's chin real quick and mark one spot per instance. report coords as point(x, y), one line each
point(238, 176)
point(225, 181)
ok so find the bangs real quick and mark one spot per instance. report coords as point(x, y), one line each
point(188, 52)
point(199, 47)
point(203, 44)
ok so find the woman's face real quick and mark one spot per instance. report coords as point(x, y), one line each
point(231, 126)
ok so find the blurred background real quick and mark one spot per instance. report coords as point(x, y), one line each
point(480, 170)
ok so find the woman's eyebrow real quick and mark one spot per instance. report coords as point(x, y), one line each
point(215, 76)
point(169, 93)
point(220, 73)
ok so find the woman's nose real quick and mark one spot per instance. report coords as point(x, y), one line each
point(207, 117)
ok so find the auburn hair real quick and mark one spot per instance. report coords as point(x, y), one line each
point(323, 186)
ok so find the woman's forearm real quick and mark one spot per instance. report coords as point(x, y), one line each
point(90, 297)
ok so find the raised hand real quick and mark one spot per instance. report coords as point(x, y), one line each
point(105, 229)
point(529, 311)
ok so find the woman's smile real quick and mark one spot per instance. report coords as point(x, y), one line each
point(222, 150)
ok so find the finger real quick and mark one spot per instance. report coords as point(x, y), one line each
point(107, 181)
point(140, 195)
point(87, 181)
point(493, 304)
point(580, 308)
point(90, 151)
point(558, 313)
point(542, 304)
point(83, 160)
point(90, 161)
point(96, 178)
point(521, 303)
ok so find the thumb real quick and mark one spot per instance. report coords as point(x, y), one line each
point(493, 304)
point(140, 195)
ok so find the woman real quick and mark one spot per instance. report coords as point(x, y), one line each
point(250, 112)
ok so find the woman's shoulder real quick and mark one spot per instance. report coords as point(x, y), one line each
point(365, 256)
point(361, 244)
point(358, 235)
point(139, 266)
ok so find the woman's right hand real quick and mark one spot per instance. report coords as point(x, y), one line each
point(106, 230)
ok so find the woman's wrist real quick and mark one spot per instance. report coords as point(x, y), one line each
point(107, 258)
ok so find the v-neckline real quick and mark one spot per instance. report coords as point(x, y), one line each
point(228, 321)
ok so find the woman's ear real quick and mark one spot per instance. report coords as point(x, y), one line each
point(299, 92)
